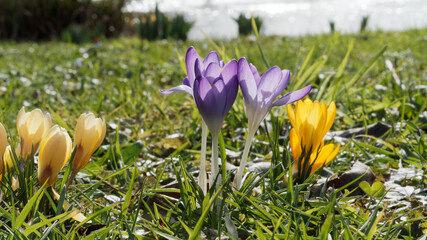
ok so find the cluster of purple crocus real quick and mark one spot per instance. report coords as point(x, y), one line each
point(214, 87)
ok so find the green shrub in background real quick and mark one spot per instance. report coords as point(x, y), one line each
point(245, 25)
point(73, 20)
point(364, 23)
point(332, 26)
point(78, 33)
point(156, 25)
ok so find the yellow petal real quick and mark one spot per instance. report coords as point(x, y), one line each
point(295, 144)
point(301, 112)
point(291, 115)
point(20, 119)
point(7, 157)
point(326, 154)
point(3, 140)
point(333, 154)
point(317, 119)
point(330, 117)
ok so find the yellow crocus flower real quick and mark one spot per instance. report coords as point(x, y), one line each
point(32, 128)
point(55, 150)
point(88, 136)
point(311, 121)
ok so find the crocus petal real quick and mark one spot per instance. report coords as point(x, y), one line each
point(180, 88)
point(212, 57)
point(295, 144)
point(293, 96)
point(202, 89)
point(291, 114)
point(316, 118)
point(211, 101)
point(212, 72)
point(221, 64)
point(186, 82)
point(190, 60)
point(281, 85)
point(20, 119)
point(286, 75)
point(270, 80)
point(79, 128)
point(229, 76)
point(198, 68)
point(255, 73)
point(229, 71)
point(333, 154)
point(247, 83)
point(326, 154)
point(330, 117)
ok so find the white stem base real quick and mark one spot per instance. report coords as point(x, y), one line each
point(202, 171)
point(239, 175)
point(214, 162)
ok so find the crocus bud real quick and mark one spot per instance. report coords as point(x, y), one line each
point(88, 136)
point(7, 164)
point(55, 150)
point(32, 128)
point(7, 157)
point(3, 143)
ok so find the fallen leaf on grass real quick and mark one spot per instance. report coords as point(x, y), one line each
point(377, 129)
point(357, 170)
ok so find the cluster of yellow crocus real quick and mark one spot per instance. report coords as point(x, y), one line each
point(311, 121)
point(53, 143)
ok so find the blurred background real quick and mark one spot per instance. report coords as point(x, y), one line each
point(293, 17)
point(88, 20)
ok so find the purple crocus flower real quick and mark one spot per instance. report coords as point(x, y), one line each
point(212, 70)
point(259, 94)
point(215, 92)
point(190, 62)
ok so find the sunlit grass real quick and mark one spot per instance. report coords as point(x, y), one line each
point(152, 139)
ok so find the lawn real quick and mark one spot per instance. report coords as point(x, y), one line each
point(142, 182)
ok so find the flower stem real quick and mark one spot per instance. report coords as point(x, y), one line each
point(70, 178)
point(239, 175)
point(202, 172)
point(214, 163)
